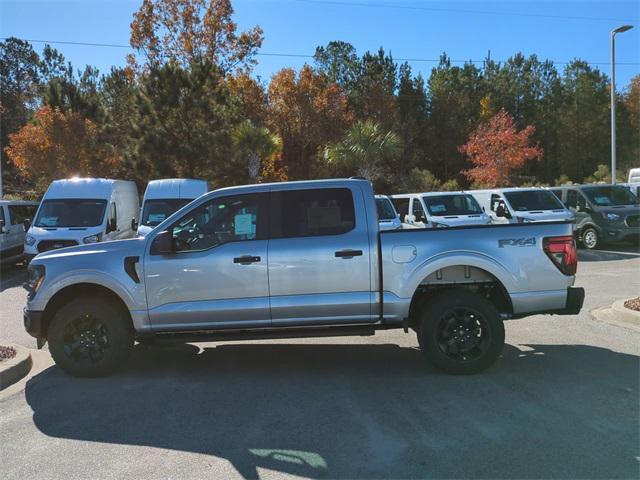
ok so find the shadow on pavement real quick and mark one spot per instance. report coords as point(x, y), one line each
point(360, 411)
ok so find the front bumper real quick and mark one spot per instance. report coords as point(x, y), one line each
point(33, 323)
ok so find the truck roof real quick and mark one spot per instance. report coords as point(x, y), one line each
point(175, 188)
point(295, 184)
point(429, 194)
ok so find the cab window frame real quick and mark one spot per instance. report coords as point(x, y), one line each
point(262, 220)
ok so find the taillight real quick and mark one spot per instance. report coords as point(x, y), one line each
point(562, 252)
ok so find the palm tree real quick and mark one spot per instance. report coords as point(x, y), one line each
point(364, 150)
point(257, 144)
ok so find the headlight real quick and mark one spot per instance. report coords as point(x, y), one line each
point(29, 240)
point(92, 238)
point(439, 225)
point(612, 217)
point(36, 277)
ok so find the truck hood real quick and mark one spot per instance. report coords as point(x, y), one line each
point(460, 220)
point(545, 216)
point(621, 210)
point(119, 248)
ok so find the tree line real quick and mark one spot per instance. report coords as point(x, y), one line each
point(187, 105)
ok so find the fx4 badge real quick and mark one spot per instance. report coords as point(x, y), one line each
point(517, 242)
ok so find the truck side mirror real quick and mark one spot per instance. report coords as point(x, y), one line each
point(162, 244)
point(1, 226)
point(111, 225)
point(501, 211)
point(134, 224)
point(26, 224)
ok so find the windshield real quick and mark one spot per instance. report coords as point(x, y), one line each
point(458, 204)
point(385, 209)
point(529, 200)
point(71, 213)
point(156, 211)
point(610, 195)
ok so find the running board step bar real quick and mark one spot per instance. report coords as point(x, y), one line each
point(261, 334)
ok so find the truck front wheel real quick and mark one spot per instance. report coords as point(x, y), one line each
point(460, 332)
point(90, 337)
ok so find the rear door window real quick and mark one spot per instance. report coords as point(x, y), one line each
point(312, 213)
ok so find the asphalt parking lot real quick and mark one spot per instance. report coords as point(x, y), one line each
point(563, 401)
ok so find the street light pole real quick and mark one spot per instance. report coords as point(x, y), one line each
point(621, 29)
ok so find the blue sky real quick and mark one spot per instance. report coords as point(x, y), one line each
point(409, 29)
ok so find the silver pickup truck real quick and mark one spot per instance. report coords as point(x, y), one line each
point(298, 259)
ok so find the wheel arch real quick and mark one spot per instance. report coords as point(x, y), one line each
point(78, 290)
point(462, 276)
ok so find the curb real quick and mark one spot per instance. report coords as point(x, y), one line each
point(14, 369)
point(618, 314)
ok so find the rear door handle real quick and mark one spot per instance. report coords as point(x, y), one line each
point(246, 259)
point(348, 253)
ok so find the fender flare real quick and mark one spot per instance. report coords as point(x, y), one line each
point(502, 274)
point(92, 277)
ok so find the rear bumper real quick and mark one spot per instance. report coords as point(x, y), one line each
point(574, 301)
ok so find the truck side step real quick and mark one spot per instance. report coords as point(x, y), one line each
point(262, 333)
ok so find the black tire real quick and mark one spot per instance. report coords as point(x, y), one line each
point(460, 332)
point(90, 337)
point(590, 238)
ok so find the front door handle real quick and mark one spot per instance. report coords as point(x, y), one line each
point(246, 259)
point(348, 253)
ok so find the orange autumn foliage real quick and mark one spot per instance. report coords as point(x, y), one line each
point(60, 144)
point(496, 149)
point(307, 111)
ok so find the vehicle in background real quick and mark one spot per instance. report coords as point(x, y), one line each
point(439, 209)
point(604, 213)
point(634, 175)
point(13, 213)
point(388, 218)
point(164, 197)
point(522, 205)
point(78, 211)
point(293, 260)
point(633, 187)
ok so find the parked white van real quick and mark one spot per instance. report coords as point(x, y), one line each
point(439, 209)
point(164, 197)
point(634, 175)
point(522, 205)
point(83, 210)
point(13, 214)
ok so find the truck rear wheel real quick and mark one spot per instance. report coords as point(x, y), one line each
point(460, 332)
point(90, 337)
